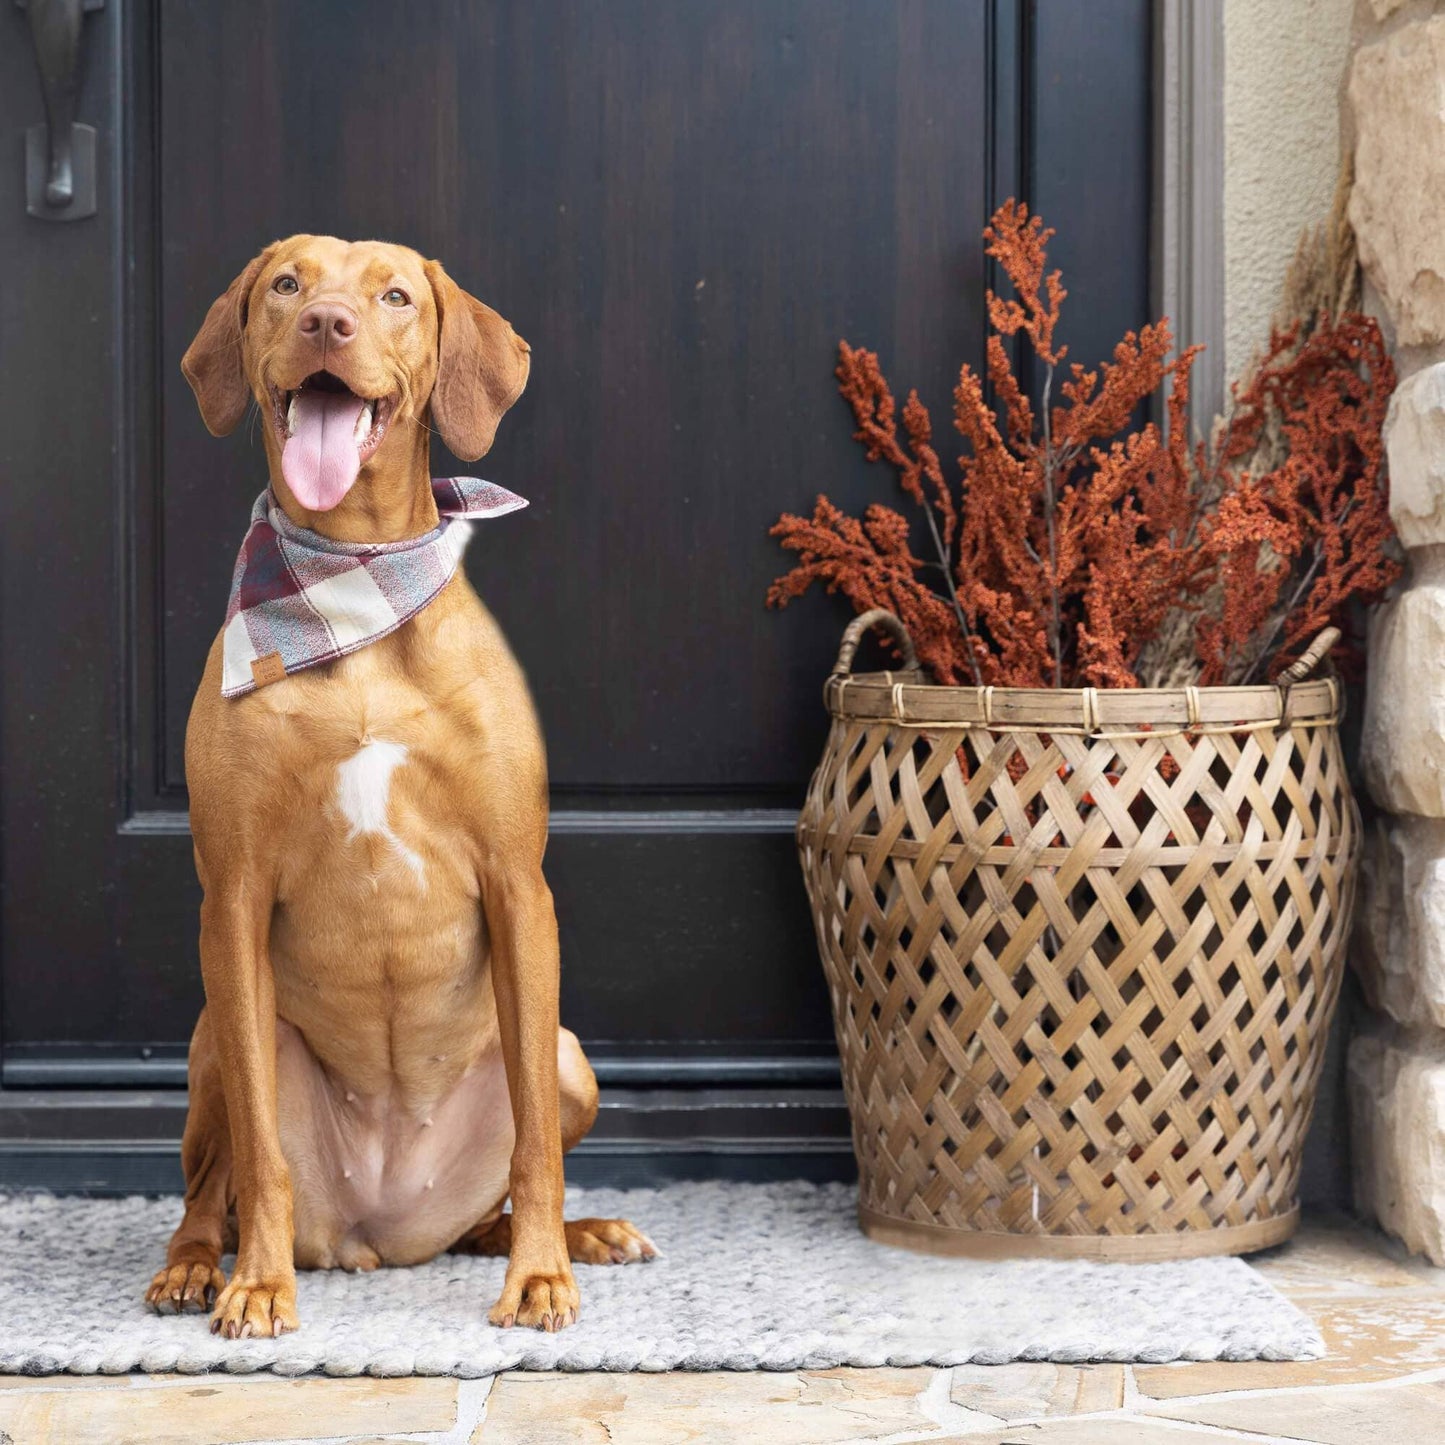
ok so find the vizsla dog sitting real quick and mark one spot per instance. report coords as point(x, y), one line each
point(379, 1063)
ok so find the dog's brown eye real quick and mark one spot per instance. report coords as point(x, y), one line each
point(285, 285)
point(396, 297)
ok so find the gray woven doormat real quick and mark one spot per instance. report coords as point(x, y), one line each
point(751, 1276)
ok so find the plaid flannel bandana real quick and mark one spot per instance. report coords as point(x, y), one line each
point(298, 598)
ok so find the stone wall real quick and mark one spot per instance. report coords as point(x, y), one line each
point(1395, 122)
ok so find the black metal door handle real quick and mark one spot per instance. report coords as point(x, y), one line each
point(60, 164)
point(55, 29)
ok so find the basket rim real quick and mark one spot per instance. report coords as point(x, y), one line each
point(908, 697)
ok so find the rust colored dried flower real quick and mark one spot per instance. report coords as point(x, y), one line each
point(1299, 544)
point(1068, 544)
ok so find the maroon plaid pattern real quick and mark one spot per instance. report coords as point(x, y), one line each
point(298, 598)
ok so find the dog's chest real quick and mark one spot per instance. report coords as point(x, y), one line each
point(361, 799)
point(377, 813)
point(378, 943)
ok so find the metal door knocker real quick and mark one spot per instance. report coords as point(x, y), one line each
point(59, 152)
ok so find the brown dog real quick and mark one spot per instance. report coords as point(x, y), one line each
point(379, 1063)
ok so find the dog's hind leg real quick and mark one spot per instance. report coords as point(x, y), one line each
point(589, 1241)
point(192, 1273)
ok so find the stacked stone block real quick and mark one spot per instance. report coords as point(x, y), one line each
point(1396, 96)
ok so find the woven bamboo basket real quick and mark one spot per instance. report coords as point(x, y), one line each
point(1083, 949)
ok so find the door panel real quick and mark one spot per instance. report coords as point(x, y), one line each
point(682, 206)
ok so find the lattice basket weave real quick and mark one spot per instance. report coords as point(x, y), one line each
point(1083, 949)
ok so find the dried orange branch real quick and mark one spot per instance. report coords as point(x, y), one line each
point(1068, 545)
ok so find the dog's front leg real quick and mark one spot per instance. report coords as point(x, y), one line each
point(241, 1002)
point(539, 1289)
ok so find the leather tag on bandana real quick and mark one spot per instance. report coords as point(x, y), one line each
point(268, 669)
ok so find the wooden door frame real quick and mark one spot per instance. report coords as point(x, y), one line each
point(1188, 220)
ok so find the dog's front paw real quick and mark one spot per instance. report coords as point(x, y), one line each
point(255, 1307)
point(188, 1282)
point(538, 1301)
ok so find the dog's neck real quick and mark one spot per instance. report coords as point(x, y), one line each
point(390, 501)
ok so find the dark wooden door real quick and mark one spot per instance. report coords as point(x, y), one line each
point(682, 204)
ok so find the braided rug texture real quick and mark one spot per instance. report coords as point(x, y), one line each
point(750, 1277)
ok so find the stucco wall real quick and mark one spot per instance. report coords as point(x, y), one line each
point(1284, 61)
point(1284, 66)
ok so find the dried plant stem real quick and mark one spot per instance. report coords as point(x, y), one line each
point(1298, 596)
point(1056, 629)
point(945, 563)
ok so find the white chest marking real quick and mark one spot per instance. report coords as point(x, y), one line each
point(363, 787)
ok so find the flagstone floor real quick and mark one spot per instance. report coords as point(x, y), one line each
point(1382, 1315)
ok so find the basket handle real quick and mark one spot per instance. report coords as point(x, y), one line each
point(1309, 659)
point(853, 635)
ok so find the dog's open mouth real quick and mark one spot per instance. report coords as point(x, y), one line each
point(327, 433)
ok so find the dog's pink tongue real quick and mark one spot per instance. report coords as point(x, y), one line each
point(320, 459)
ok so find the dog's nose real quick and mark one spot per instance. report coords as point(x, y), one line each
point(328, 323)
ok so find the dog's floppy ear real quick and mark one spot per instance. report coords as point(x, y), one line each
point(213, 363)
point(482, 367)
